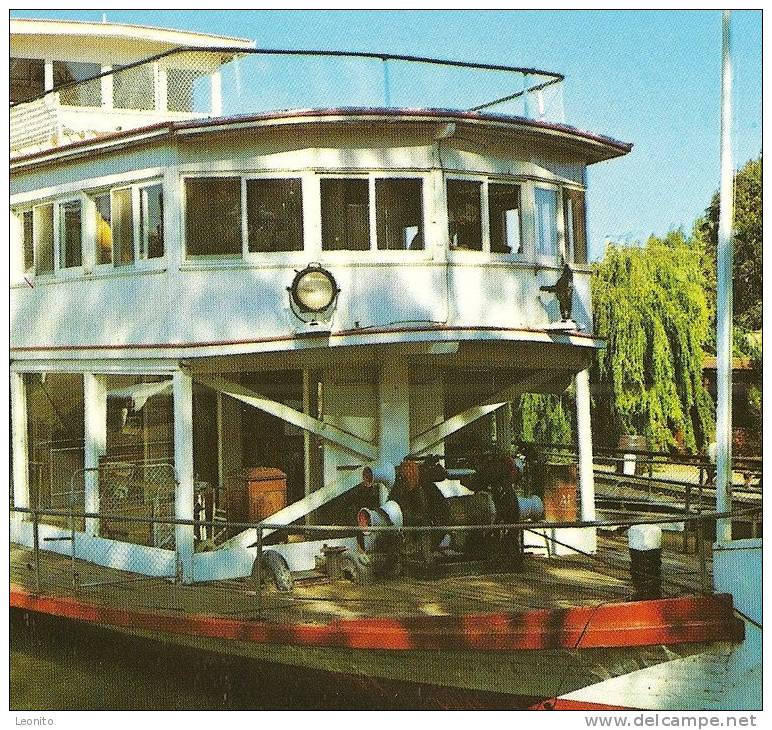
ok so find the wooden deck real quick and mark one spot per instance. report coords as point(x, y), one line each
point(544, 583)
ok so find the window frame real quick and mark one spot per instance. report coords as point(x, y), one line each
point(570, 245)
point(139, 263)
point(547, 260)
point(267, 257)
point(226, 258)
point(68, 271)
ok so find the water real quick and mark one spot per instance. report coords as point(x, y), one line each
point(62, 665)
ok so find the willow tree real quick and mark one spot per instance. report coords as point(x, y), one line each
point(650, 306)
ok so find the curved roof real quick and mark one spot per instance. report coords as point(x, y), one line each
point(595, 147)
point(141, 34)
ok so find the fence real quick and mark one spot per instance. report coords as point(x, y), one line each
point(596, 577)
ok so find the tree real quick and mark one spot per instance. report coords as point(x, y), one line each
point(747, 269)
point(650, 306)
point(541, 418)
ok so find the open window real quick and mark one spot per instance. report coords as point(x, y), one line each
point(345, 214)
point(399, 214)
point(70, 242)
point(576, 230)
point(43, 230)
point(213, 216)
point(505, 217)
point(464, 214)
point(274, 215)
point(151, 222)
point(546, 213)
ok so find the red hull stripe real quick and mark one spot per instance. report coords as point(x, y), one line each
point(645, 623)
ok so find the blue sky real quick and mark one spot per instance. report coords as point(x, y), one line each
point(647, 77)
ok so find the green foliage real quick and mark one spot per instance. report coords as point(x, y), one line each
point(541, 418)
point(650, 306)
point(747, 242)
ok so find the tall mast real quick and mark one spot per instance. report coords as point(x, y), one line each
point(724, 296)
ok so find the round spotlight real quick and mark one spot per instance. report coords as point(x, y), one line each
point(313, 289)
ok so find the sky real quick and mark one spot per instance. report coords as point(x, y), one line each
point(647, 77)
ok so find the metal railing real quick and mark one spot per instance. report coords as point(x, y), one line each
point(695, 576)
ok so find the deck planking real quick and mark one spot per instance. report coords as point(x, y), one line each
point(543, 583)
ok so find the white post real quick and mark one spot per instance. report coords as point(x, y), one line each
point(183, 464)
point(724, 299)
point(394, 413)
point(19, 442)
point(95, 443)
point(584, 439)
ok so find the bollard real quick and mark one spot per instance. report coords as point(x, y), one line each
point(645, 544)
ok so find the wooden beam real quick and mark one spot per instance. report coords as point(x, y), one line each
point(341, 438)
point(425, 441)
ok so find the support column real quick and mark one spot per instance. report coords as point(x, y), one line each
point(584, 439)
point(19, 441)
point(394, 413)
point(95, 442)
point(183, 465)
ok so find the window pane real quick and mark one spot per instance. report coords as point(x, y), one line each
point(123, 227)
point(134, 88)
point(464, 219)
point(152, 222)
point(27, 242)
point(104, 229)
point(546, 222)
point(275, 215)
point(399, 214)
point(576, 235)
point(27, 78)
point(69, 234)
point(213, 216)
point(88, 94)
point(345, 214)
point(44, 239)
point(505, 219)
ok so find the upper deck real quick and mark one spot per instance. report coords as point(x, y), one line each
point(198, 177)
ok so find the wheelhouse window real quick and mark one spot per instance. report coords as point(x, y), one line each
point(43, 224)
point(345, 214)
point(504, 214)
point(79, 94)
point(70, 248)
point(399, 214)
point(122, 212)
point(576, 231)
point(213, 216)
point(28, 243)
point(151, 222)
point(104, 229)
point(274, 215)
point(27, 76)
point(546, 222)
point(464, 214)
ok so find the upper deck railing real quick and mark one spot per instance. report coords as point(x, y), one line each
point(188, 83)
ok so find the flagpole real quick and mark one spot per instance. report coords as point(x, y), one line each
point(724, 296)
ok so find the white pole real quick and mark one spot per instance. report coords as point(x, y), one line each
point(95, 442)
point(584, 440)
point(183, 464)
point(724, 297)
point(19, 442)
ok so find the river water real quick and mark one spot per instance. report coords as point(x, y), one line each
point(62, 665)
